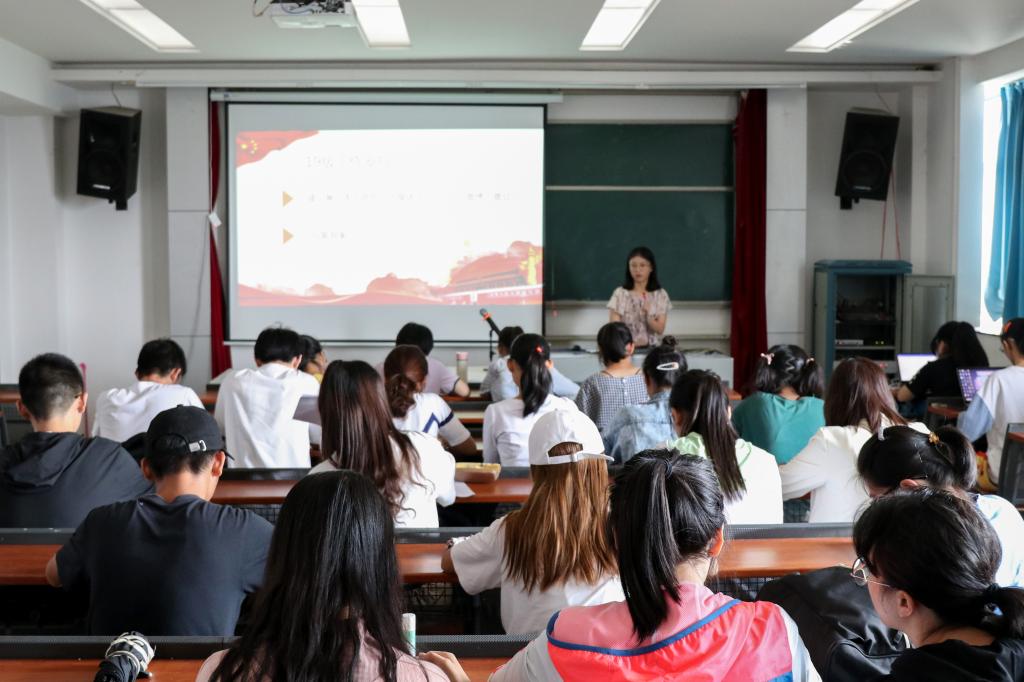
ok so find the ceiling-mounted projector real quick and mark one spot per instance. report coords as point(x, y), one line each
point(315, 14)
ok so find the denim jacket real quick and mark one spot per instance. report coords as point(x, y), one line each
point(639, 427)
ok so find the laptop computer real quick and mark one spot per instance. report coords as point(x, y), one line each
point(971, 380)
point(911, 363)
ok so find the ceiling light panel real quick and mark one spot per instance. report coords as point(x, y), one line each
point(141, 23)
point(382, 23)
point(850, 24)
point(616, 24)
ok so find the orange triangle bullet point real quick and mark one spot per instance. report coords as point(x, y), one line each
point(286, 198)
point(286, 236)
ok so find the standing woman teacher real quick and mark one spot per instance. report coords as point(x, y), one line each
point(640, 302)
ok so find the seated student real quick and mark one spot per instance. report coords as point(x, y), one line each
point(53, 477)
point(955, 346)
point(748, 475)
point(900, 457)
point(313, 361)
point(411, 469)
point(405, 372)
point(331, 603)
point(507, 424)
point(553, 552)
point(999, 403)
point(441, 379)
point(858, 404)
point(498, 383)
point(171, 562)
point(644, 426)
point(786, 409)
point(256, 407)
point(928, 559)
point(603, 394)
point(666, 526)
point(125, 412)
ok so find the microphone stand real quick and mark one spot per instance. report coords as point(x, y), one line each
point(490, 342)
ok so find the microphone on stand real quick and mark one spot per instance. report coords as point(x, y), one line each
point(490, 321)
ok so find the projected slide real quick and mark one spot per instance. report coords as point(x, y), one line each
point(348, 221)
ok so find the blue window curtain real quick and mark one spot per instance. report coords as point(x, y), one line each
point(1004, 292)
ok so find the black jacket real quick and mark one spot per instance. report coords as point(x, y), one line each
point(52, 480)
point(956, 661)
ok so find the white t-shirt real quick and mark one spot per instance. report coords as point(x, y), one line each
point(1009, 526)
point(124, 412)
point(255, 410)
point(999, 403)
point(479, 562)
point(827, 469)
point(434, 485)
point(507, 431)
point(430, 414)
point(762, 501)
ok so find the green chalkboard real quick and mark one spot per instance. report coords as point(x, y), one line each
point(685, 217)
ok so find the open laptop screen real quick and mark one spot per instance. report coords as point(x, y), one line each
point(971, 380)
point(911, 363)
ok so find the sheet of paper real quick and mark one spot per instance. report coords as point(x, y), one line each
point(462, 490)
point(307, 410)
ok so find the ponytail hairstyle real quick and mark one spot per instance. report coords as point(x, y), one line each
point(859, 392)
point(612, 341)
point(945, 459)
point(311, 348)
point(664, 363)
point(405, 370)
point(700, 399)
point(666, 508)
point(937, 547)
point(962, 341)
point(531, 353)
point(788, 365)
point(358, 431)
point(1013, 330)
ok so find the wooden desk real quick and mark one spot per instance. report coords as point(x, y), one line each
point(71, 670)
point(514, 490)
point(945, 411)
point(9, 395)
point(421, 563)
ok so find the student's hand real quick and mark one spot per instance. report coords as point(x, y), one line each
point(447, 662)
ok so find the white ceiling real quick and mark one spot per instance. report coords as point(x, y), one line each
point(685, 31)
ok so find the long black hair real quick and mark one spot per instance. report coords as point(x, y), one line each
point(331, 568)
point(613, 339)
point(788, 365)
point(665, 510)
point(944, 459)
point(647, 255)
point(963, 344)
point(937, 547)
point(531, 352)
point(699, 397)
point(664, 363)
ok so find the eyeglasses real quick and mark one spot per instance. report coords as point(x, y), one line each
point(860, 574)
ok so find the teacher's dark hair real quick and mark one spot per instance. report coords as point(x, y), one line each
point(700, 399)
point(647, 255)
point(937, 547)
point(331, 568)
point(531, 353)
point(665, 510)
point(901, 453)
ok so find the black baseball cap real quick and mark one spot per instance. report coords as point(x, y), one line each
point(183, 430)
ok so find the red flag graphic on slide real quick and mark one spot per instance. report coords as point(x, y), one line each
point(251, 146)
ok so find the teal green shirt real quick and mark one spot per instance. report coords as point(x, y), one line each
point(780, 426)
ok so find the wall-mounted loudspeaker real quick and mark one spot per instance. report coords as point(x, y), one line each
point(108, 153)
point(865, 162)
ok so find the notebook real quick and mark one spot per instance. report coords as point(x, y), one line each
point(971, 380)
point(911, 363)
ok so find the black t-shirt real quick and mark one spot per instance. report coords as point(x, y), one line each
point(52, 480)
point(956, 661)
point(937, 378)
point(166, 568)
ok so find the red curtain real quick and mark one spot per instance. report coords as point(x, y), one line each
point(749, 329)
point(220, 355)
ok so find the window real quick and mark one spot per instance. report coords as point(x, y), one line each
point(993, 121)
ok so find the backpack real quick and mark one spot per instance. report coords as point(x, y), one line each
point(845, 638)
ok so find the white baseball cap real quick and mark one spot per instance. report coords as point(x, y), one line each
point(565, 426)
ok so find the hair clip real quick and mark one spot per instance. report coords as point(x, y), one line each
point(1006, 327)
point(667, 367)
point(768, 356)
point(540, 351)
point(933, 438)
point(810, 360)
